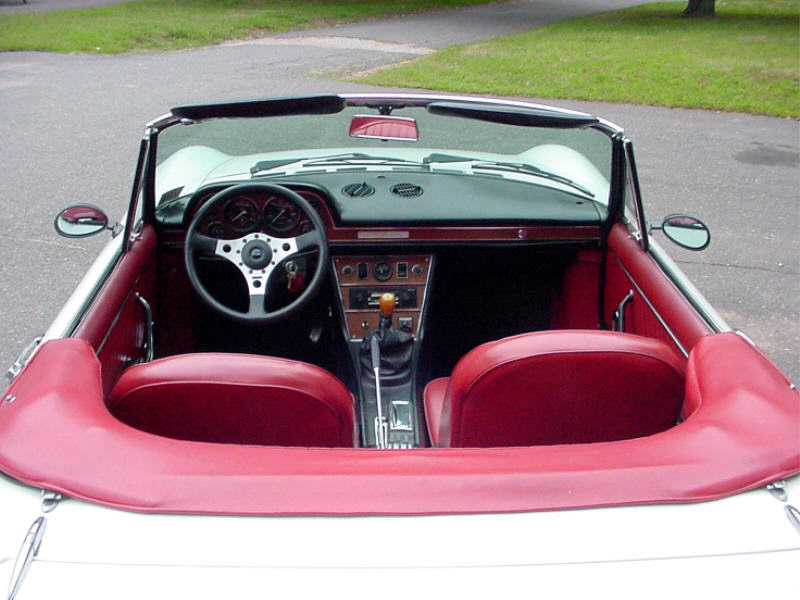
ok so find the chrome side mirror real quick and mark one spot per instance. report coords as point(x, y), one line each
point(686, 231)
point(83, 220)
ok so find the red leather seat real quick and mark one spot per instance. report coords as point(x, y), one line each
point(236, 399)
point(557, 387)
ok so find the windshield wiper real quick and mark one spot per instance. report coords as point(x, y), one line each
point(525, 168)
point(359, 158)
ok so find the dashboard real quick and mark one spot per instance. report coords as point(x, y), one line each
point(248, 213)
point(360, 278)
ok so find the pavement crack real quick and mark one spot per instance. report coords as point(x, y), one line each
point(779, 271)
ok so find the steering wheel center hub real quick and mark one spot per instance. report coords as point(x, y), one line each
point(256, 254)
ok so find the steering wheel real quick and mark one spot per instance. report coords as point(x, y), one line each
point(256, 255)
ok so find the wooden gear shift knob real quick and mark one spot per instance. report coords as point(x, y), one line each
point(387, 303)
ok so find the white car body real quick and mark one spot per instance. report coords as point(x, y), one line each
point(735, 547)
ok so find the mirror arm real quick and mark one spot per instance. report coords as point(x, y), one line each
point(654, 226)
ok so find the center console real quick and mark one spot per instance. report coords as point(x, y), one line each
point(383, 301)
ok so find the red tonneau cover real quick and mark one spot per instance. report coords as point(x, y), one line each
point(743, 432)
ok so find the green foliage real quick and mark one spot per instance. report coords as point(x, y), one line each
point(158, 25)
point(745, 59)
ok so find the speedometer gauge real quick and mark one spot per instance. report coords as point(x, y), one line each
point(280, 215)
point(241, 214)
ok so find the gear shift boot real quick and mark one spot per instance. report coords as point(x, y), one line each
point(395, 346)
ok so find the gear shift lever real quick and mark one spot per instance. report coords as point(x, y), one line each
point(395, 346)
point(385, 359)
point(387, 302)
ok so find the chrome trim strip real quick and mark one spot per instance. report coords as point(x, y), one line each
point(22, 358)
point(607, 126)
point(653, 309)
point(160, 121)
point(693, 295)
point(27, 553)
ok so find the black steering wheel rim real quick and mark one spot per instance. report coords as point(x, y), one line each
point(199, 243)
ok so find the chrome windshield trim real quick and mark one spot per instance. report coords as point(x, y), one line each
point(162, 121)
point(607, 127)
point(603, 124)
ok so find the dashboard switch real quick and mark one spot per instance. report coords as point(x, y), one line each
point(363, 270)
point(402, 270)
point(405, 324)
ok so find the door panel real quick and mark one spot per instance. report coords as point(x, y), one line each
point(115, 323)
point(657, 309)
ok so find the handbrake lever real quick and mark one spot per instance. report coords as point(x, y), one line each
point(381, 428)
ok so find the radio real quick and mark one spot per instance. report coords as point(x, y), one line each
point(361, 298)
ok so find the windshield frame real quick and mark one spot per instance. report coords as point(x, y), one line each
point(509, 112)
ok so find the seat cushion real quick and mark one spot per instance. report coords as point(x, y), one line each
point(236, 398)
point(433, 398)
point(558, 387)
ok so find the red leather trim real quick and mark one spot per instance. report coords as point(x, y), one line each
point(433, 397)
point(668, 301)
point(561, 387)
point(236, 398)
point(576, 306)
point(114, 323)
point(98, 320)
point(59, 435)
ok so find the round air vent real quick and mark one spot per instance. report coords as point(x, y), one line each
point(406, 190)
point(358, 190)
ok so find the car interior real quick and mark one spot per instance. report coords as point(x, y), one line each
point(500, 335)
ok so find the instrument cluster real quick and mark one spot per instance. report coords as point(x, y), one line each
point(270, 214)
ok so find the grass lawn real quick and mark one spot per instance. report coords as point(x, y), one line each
point(746, 59)
point(157, 25)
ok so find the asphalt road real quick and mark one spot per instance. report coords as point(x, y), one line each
point(71, 125)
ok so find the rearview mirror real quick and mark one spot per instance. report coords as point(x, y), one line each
point(81, 220)
point(688, 232)
point(384, 127)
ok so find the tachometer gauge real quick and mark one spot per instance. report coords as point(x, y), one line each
point(241, 214)
point(280, 215)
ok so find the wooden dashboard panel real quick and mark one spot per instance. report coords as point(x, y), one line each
point(362, 279)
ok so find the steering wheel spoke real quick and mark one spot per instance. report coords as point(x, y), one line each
point(204, 244)
point(307, 241)
point(256, 307)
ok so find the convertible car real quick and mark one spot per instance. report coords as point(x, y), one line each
point(390, 342)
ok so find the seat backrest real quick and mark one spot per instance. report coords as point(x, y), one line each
point(236, 399)
point(562, 387)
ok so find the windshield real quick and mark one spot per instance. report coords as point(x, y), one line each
point(309, 148)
